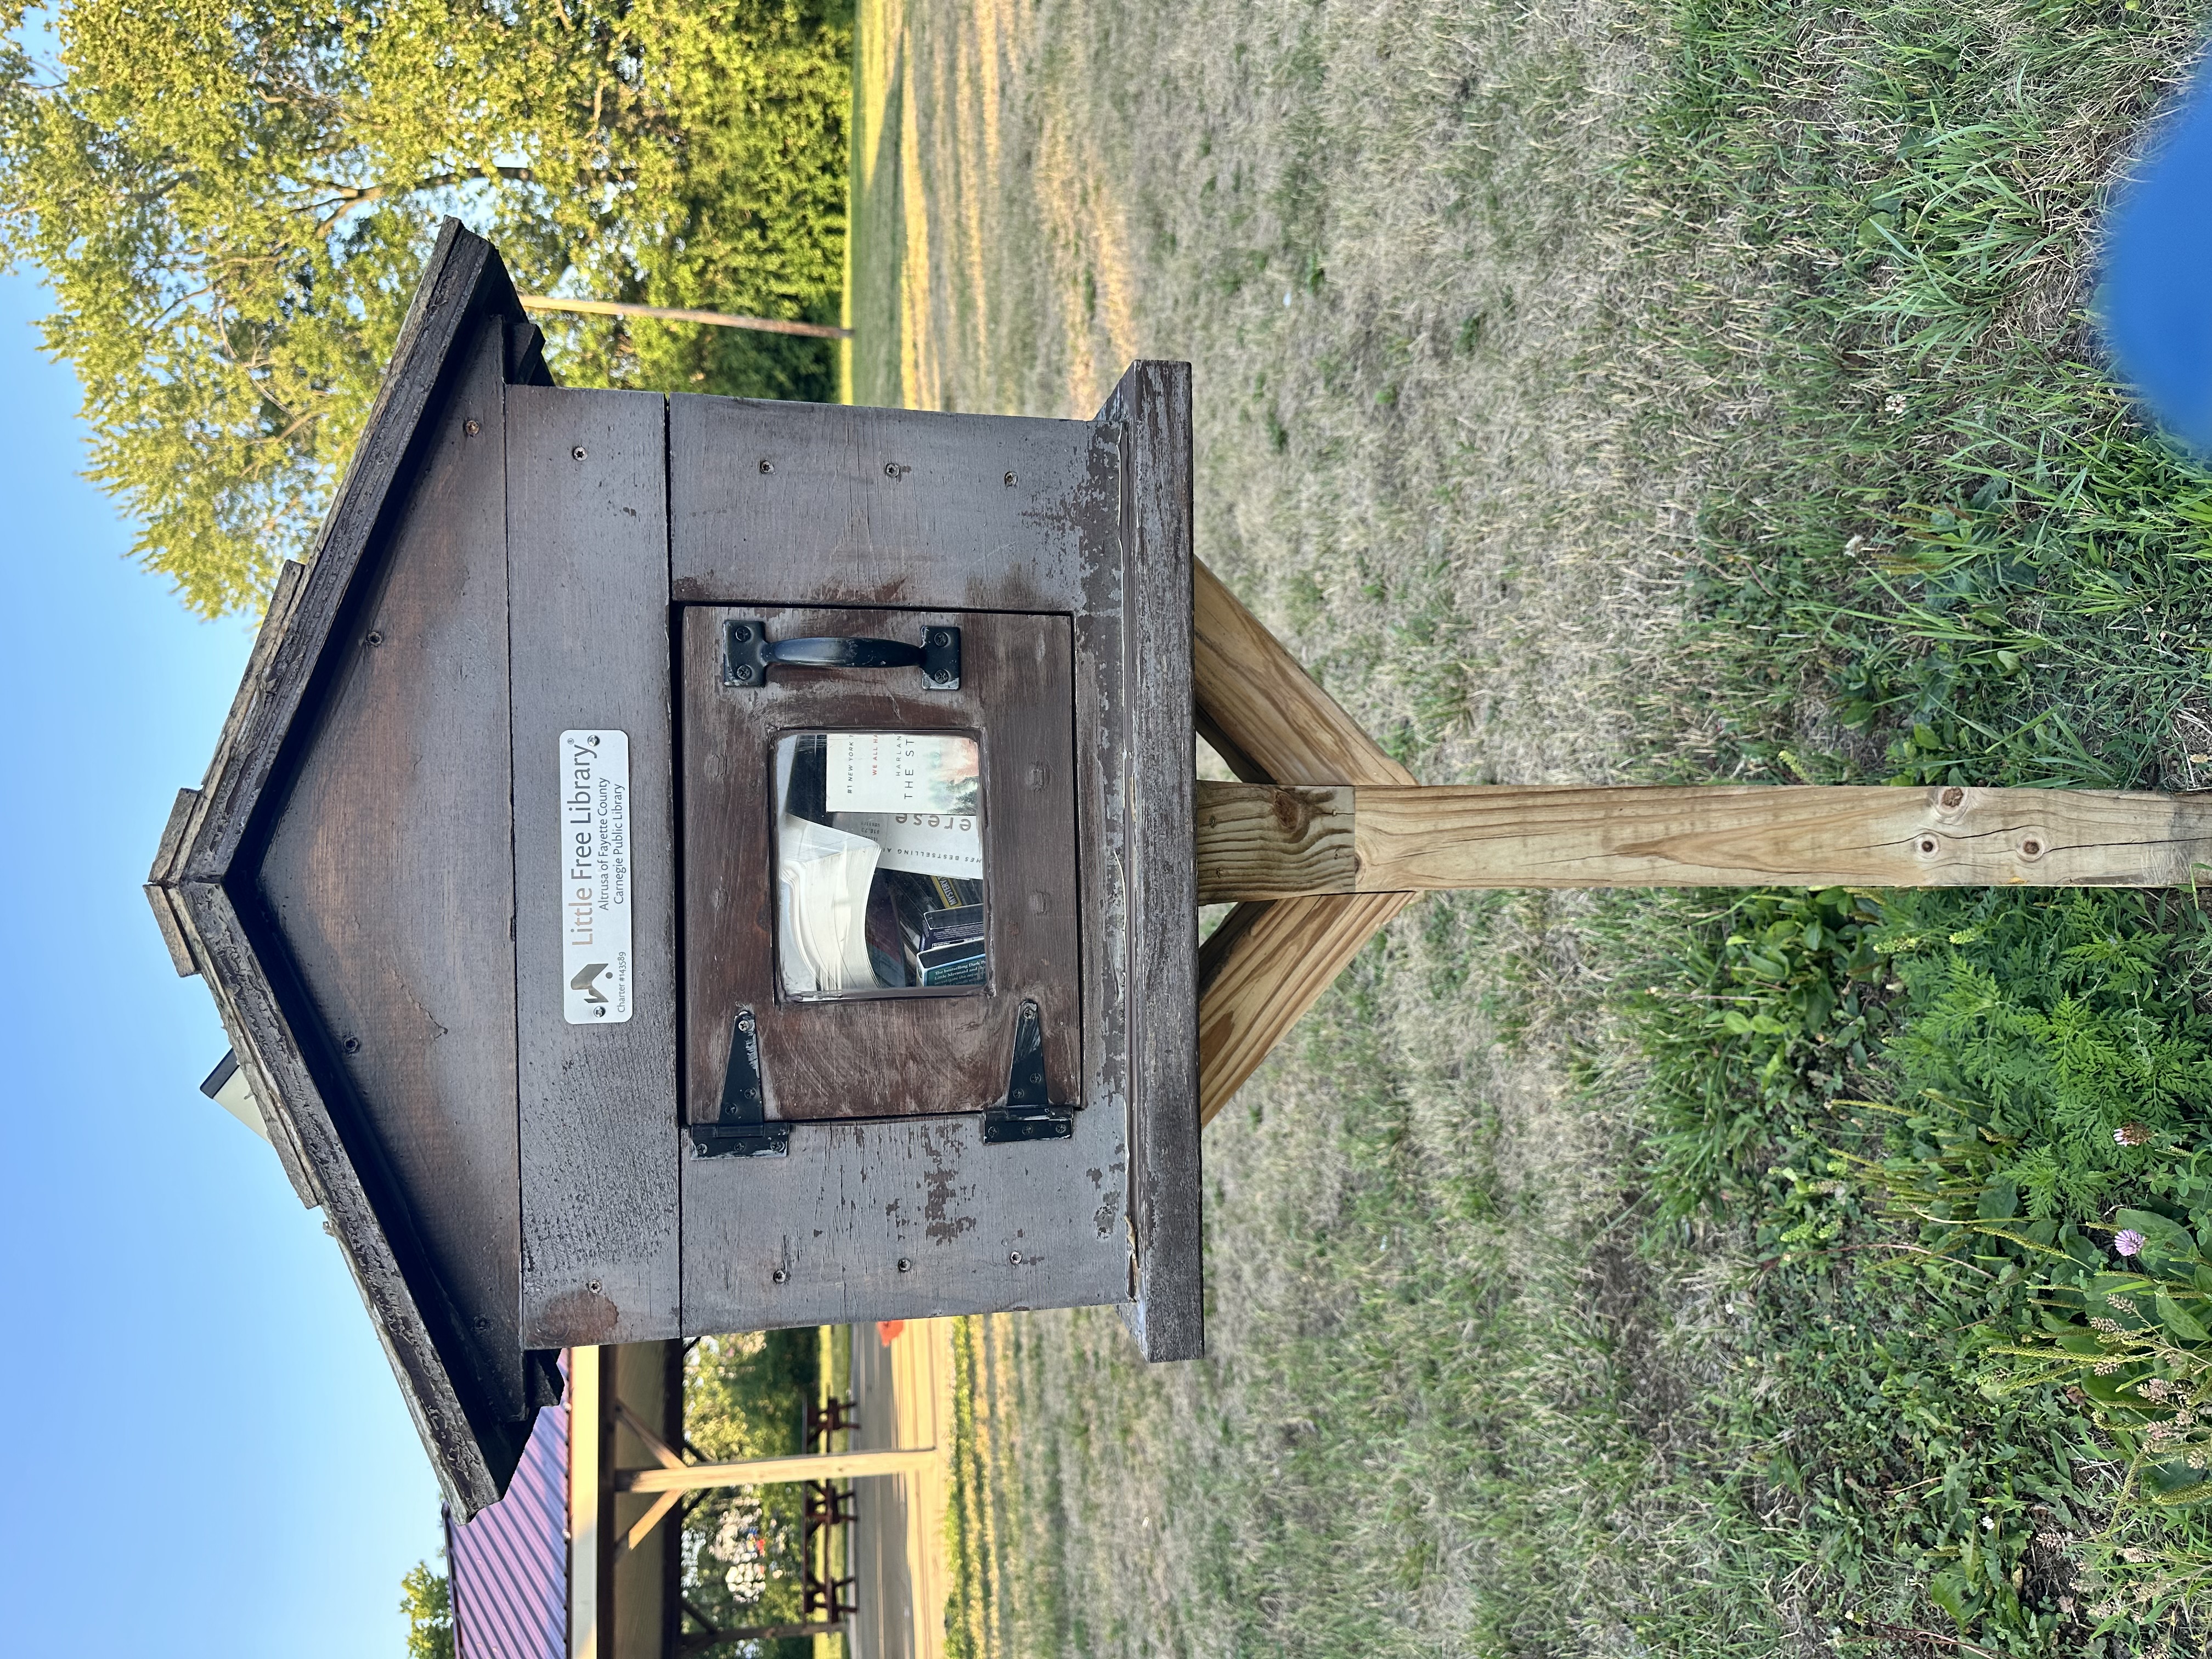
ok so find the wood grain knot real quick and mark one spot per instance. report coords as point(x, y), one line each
point(1293, 812)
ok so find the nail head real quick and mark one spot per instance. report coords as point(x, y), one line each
point(778, 1275)
point(472, 427)
point(905, 1266)
point(579, 452)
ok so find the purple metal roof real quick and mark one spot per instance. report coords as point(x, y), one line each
point(510, 1565)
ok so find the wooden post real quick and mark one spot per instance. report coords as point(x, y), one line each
point(591, 1502)
point(1258, 842)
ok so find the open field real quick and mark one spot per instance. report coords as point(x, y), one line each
point(1593, 392)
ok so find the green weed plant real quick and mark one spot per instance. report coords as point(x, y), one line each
point(1929, 1114)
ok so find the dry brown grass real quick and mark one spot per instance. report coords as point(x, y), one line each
point(1389, 239)
point(1386, 239)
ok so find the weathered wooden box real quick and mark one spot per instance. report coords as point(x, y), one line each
point(500, 1057)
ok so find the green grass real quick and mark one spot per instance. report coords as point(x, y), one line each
point(1950, 554)
point(1733, 1336)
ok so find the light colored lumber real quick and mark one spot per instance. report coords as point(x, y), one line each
point(1256, 692)
point(1264, 841)
point(1256, 843)
point(642, 1528)
point(771, 1471)
point(1274, 960)
point(657, 1449)
point(589, 1514)
point(676, 314)
point(1278, 968)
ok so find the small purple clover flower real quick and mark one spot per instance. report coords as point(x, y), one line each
point(2129, 1242)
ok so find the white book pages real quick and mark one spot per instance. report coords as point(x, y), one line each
point(824, 875)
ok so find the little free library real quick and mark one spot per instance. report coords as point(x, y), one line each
point(682, 864)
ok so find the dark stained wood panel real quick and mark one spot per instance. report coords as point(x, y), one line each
point(1152, 409)
point(898, 1054)
point(388, 875)
point(587, 548)
point(821, 504)
point(982, 1228)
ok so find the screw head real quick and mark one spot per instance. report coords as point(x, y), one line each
point(742, 673)
point(1014, 1259)
point(767, 465)
point(375, 636)
point(905, 1266)
point(353, 1045)
point(940, 639)
point(579, 452)
point(741, 635)
point(745, 1021)
point(472, 427)
point(1009, 481)
point(593, 1285)
point(779, 1275)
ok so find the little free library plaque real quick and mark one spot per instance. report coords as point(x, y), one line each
point(679, 865)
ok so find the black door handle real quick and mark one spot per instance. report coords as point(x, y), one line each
point(748, 653)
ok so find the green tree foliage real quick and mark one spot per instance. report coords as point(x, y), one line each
point(745, 1396)
point(426, 1597)
point(232, 202)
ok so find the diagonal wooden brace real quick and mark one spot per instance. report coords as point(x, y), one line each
point(1267, 963)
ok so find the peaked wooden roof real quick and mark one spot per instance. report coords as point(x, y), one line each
point(203, 885)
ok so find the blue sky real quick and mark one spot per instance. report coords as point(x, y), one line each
point(211, 1456)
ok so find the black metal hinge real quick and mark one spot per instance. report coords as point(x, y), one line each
point(741, 1128)
point(1028, 1112)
